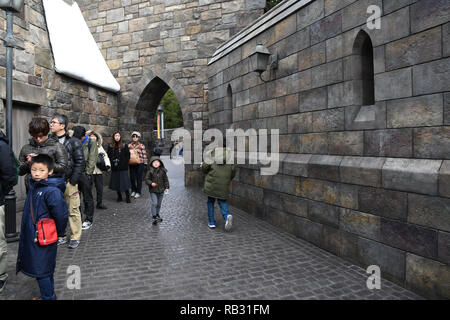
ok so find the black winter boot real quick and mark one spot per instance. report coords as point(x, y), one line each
point(101, 206)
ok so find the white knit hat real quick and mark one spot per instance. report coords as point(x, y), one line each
point(136, 133)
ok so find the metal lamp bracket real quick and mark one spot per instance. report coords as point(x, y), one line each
point(273, 64)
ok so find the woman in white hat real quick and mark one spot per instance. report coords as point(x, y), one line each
point(138, 159)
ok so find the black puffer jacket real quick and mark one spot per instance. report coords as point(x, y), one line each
point(50, 147)
point(75, 162)
point(7, 169)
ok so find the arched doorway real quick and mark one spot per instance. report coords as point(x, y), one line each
point(168, 118)
point(152, 90)
point(156, 93)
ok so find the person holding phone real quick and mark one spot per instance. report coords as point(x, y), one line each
point(41, 143)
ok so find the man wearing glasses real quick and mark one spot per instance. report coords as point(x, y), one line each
point(75, 168)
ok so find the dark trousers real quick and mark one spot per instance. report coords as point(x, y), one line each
point(85, 187)
point(47, 287)
point(127, 195)
point(136, 173)
point(98, 183)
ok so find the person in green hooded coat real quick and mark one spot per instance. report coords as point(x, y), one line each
point(219, 174)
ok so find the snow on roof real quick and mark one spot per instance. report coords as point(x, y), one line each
point(74, 49)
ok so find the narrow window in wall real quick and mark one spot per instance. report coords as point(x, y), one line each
point(229, 99)
point(229, 114)
point(363, 63)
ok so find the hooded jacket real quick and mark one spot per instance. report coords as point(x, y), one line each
point(158, 176)
point(33, 259)
point(100, 150)
point(50, 147)
point(218, 175)
point(7, 169)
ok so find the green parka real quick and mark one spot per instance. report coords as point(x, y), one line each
point(218, 176)
point(158, 176)
point(90, 150)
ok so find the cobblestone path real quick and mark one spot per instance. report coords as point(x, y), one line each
point(124, 256)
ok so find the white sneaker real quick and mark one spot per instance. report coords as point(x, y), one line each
point(133, 194)
point(228, 222)
point(86, 225)
point(137, 195)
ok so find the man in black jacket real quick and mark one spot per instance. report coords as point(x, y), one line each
point(7, 178)
point(75, 169)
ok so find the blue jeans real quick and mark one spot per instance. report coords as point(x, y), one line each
point(157, 199)
point(47, 286)
point(223, 208)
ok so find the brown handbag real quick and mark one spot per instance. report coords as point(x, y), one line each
point(134, 157)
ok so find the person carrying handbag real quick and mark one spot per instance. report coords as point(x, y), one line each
point(99, 167)
point(45, 201)
point(138, 162)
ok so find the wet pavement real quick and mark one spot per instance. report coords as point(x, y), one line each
point(124, 256)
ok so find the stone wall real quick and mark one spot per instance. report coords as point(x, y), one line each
point(151, 46)
point(36, 83)
point(164, 44)
point(370, 183)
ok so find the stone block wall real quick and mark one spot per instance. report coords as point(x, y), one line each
point(151, 46)
point(367, 182)
point(36, 83)
point(170, 41)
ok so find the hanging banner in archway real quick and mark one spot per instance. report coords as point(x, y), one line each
point(75, 51)
point(158, 125)
point(162, 125)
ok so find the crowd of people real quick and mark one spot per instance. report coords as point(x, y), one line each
point(61, 168)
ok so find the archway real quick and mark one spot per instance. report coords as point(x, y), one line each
point(166, 121)
point(141, 108)
point(146, 110)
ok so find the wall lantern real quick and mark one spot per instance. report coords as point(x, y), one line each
point(13, 5)
point(261, 58)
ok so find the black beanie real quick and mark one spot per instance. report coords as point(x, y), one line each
point(79, 132)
